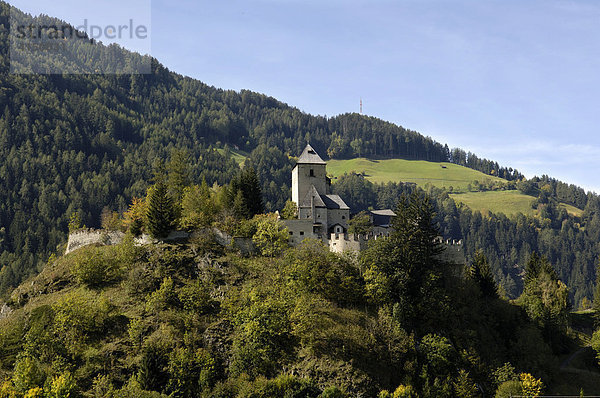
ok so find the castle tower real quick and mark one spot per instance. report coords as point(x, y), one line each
point(309, 171)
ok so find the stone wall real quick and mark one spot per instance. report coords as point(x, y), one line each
point(86, 237)
point(340, 243)
point(299, 230)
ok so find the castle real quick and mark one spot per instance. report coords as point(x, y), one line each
point(325, 216)
point(321, 215)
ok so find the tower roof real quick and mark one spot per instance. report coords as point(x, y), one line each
point(313, 195)
point(310, 156)
point(334, 202)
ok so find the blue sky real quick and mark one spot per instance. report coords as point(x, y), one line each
point(514, 81)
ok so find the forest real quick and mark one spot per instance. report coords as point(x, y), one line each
point(84, 144)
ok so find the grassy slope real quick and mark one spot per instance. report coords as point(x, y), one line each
point(237, 155)
point(507, 202)
point(417, 171)
point(572, 210)
point(452, 175)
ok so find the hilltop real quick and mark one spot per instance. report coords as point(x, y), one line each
point(200, 319)
point(84, 145)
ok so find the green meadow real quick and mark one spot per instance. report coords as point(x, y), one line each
point(507, 202)
point(419, 172)
point(459, 179)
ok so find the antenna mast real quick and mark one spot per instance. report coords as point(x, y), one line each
point(361, 106)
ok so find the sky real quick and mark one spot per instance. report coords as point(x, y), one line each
point(515, 81)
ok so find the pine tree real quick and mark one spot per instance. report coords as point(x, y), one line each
point(239, 207)
point(161, 211)
point(407, 267)
point(179, 173)
point(244, 195)
point(596, 305)
point(250, 186)
point(480, 273)
point(537, 265)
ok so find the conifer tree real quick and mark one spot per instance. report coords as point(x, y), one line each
point(596, 305)
point(250, 186)
point(244, 194)
point(537, 265)
point(161, 210)
point(152, 375)
point(407, 268)
point(480, 273)
point(239, 207)
point(179, 173)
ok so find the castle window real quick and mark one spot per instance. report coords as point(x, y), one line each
point(312, 173)
point(343, 217)
point(291, 233)
point(301, 232)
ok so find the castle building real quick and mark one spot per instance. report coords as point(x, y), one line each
point(322, 215)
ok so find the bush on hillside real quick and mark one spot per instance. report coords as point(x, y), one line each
point(96, 266)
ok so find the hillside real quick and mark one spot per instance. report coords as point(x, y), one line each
point(509, 202)
point(453, 177)
point(83, 145)
point(199, 319)
point(479, 191)
point(76, 144)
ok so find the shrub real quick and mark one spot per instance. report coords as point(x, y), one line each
point(204, 241)
point(152, 374)
point(163, 298)
point(509, 389)
point(190, 372)
point(438, 350)
point(96, 266)
point(134, 389)
point(79, 316)
point(281, 386)
point(195, 297)
point(404, 392)
point(36, 392)
point(530, 385)
point(271, 237)
point(505, 373)
point(28, 374)
point(595, 343)
point(62, 386)
point(7, 390)
point(313, 268)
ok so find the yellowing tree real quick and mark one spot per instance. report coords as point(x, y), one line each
point(271, 236)
point(531, 386)
point(135, 217)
